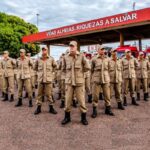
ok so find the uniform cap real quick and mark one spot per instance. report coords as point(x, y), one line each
point(22, 50)
point(141, 53)
point(100, 47)
point(127, 50)
point(5, 52)
point(44, 48)
point(113, 50)
point(74, 43)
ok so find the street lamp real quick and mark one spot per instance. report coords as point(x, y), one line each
point(37, 19)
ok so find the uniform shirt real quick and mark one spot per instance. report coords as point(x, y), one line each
point(1, 69)
point(129, 67)
point(45, 69)
point(143, 68)
point(115, 70)
point(8, 66)
point(74, 68)
point(88, 73)
point(148, 58)
point(32, 70)
point(44, 72)
point(23, 67)
point(60, 71)
point(99, 69)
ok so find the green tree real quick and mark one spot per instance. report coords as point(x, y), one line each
point(12, 29)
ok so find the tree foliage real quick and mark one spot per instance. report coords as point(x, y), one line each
point(12, 29)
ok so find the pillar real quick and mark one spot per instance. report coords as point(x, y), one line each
point(140, 44)
point(79, 46)
point(48, 47)
point(121, 39)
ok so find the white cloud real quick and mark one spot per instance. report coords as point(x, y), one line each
point(57, 13)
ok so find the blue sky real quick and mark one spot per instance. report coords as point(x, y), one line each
point(57, 13)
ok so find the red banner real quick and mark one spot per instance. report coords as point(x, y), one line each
point(96, 25)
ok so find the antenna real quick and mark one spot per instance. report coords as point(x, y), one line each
point(134, 3)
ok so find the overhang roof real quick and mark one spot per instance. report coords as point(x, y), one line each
point(133, 25)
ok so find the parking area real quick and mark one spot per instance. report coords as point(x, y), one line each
point(21, 130)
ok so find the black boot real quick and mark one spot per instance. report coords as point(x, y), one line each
point(5, 97)
point(43, 98)
point(53, 85)
point(59, 96)
point(30, 103)
point(74, 104)
point(90, 98)
point(52, 110)
point(108, 111)
point(138, 96)
point(53, 99)
point(38, 110)
point(19, 103)
point(134, 102)
point(94, 114)
point(83, 119)
point(145, 96)
point(26, 95)
point(11, 98)
point(148, 95)
point(3, 94)
point(36, 86)
point(120, 106)
point(62, 105)
point(33, 94)
point(101, 96)
point(125, 101)
point(66, 119)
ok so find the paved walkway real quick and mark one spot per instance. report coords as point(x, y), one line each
point(21, 130)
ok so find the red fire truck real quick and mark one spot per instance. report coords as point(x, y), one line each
point(133, 49)
point(147, 50)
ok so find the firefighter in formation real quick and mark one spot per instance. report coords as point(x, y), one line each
point(80, 78)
